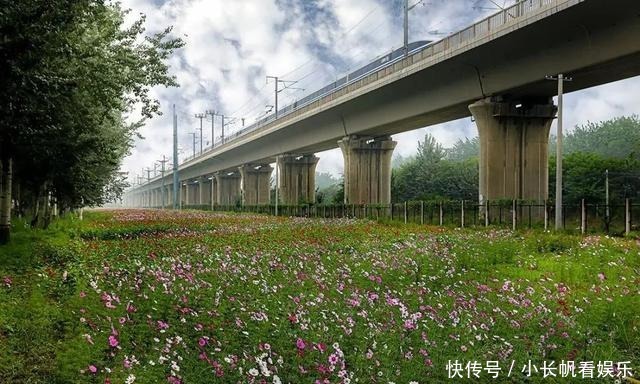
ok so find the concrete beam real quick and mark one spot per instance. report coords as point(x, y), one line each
point(514, 140)
point(367, 169)
point(256, 183)
point(297, 178)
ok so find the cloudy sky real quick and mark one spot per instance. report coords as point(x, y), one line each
point(232, 45)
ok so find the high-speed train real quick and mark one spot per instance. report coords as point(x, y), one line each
point(356, 75)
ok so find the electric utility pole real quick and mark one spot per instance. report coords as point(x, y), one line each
point(200, 116)
point(149, 181)
point(176, 178)
point(194, 142)
point(561, 79)
point(407, 8)
point(287, 85)
point(212, 113)
point(162, 169)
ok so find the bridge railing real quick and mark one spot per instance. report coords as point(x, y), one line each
point(584, 218)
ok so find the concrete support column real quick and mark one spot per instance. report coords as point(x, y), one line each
point(205, 193)
point(297, 178)
point(228, 187)
point(514, 140)
point(367, 169)
point(185, 193)
point(214, 191)
point(256, 183)
point(200, 190)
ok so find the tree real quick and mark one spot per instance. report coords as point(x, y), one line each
point(615, 138)
point(72, 74)
point(464, 149)
point(584, 178)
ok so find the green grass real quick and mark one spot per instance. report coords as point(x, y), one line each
point(393, 303)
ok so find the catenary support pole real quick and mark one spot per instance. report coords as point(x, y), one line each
point(176, 179)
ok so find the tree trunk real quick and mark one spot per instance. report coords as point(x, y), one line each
point(6, 178)
point(42, 206)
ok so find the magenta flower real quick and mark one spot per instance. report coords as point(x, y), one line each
point(113, 341)
point(93, 369)
point(202, 342)
point(300, 344)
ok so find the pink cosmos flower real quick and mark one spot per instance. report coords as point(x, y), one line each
point(93, 369)
point(83, 294)
point(202, 342)
point(409, 324)
point(300, 344)
point(601, 276)
point(333, 359)
point(7, 281)
point(113, 341)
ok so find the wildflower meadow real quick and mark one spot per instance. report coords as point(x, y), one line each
point(139, 296)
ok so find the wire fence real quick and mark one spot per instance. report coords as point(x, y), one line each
point(619, 218)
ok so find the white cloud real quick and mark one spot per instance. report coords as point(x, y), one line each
point(233, 44)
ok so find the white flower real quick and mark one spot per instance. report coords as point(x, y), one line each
point(130, 379)
point(276, 380)
point(253, 372)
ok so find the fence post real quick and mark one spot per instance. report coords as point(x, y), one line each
point(513, 215)
point(583, 217)
point(422, 212)
point(627, 217)
point(462, 214)
point(441, 214)
point(546, 216)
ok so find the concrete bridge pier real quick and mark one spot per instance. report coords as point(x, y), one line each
point(297, 178)
point(514, 141)
point(256, 183)
point(367, 169)
point(213, 191)
point(228, 187)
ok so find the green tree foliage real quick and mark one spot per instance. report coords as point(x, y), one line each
point(584, 178)
point(615, 138)
point(329, 190)
point(464, 150)
point(72, 75)
point(431, 174)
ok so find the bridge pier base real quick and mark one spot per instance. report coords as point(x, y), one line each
point(297, 178)
point(367, 169)
point(256, 183)
point(228, 188)
point(514, 141)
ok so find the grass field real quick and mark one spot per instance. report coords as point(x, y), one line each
point(192, 297)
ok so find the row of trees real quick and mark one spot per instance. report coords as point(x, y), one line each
point(590, 151)
point(72, 75)
point(438, 173)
